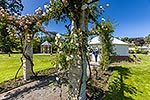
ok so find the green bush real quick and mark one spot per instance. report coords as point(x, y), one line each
point(138, 51)
point(144, 52)
point(131, 51)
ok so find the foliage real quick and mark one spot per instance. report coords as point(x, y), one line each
point(139, 41)
point(127, 39)
point(36, 45)
point(13, 7)
point(105, 35)
point(68, 48)
point(8, 43)
point(41, 37)
point(138, 51)
point(131, 51)
point(25, 28)
point(72, 56)
point(147, 39)
point(22, 25)
point(50, 37)
point(72, 48)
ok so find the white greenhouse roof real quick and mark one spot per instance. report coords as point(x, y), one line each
point(96, 40)
point(46, 43)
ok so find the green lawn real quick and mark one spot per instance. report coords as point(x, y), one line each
point(130, 81)
point(9, 65)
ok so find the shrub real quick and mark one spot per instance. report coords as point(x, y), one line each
point(131, 51)
point(144, 52)
point(138, 51)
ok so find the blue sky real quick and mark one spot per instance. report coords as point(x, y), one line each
point(132, 16)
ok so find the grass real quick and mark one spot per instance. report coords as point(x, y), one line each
point(9, 65)
point(130, 81)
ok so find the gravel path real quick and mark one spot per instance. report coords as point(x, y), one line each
point(37, 90)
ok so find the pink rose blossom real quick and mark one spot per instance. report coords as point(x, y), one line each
point(38, 23)
point(1, 8)
point(30, 23)
point(10, 18)
point(21, 24)
point(25, 27)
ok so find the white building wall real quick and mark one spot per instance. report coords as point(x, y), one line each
point(121, 50)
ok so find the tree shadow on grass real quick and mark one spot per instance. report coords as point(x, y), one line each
point(117, 87)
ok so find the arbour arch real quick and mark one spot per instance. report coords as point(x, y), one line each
point(79, 13)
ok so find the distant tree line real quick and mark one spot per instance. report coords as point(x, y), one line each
point(140, 41)
point(13, 44)
point(42, 37)
point(135, 42)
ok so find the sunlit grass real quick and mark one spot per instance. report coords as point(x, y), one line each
point(137, 80)
point(9, 65)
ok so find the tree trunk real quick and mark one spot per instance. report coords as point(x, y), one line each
point(28, 58)
point(83, 25)
point(78, 69)
point(82, 94)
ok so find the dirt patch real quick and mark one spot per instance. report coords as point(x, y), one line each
point(97, 86)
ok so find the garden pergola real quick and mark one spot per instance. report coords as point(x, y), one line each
point(46, 47)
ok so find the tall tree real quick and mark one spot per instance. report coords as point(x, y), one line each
point(13, 7)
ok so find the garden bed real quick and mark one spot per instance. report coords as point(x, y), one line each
point(11, 84)
point(95, 88)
